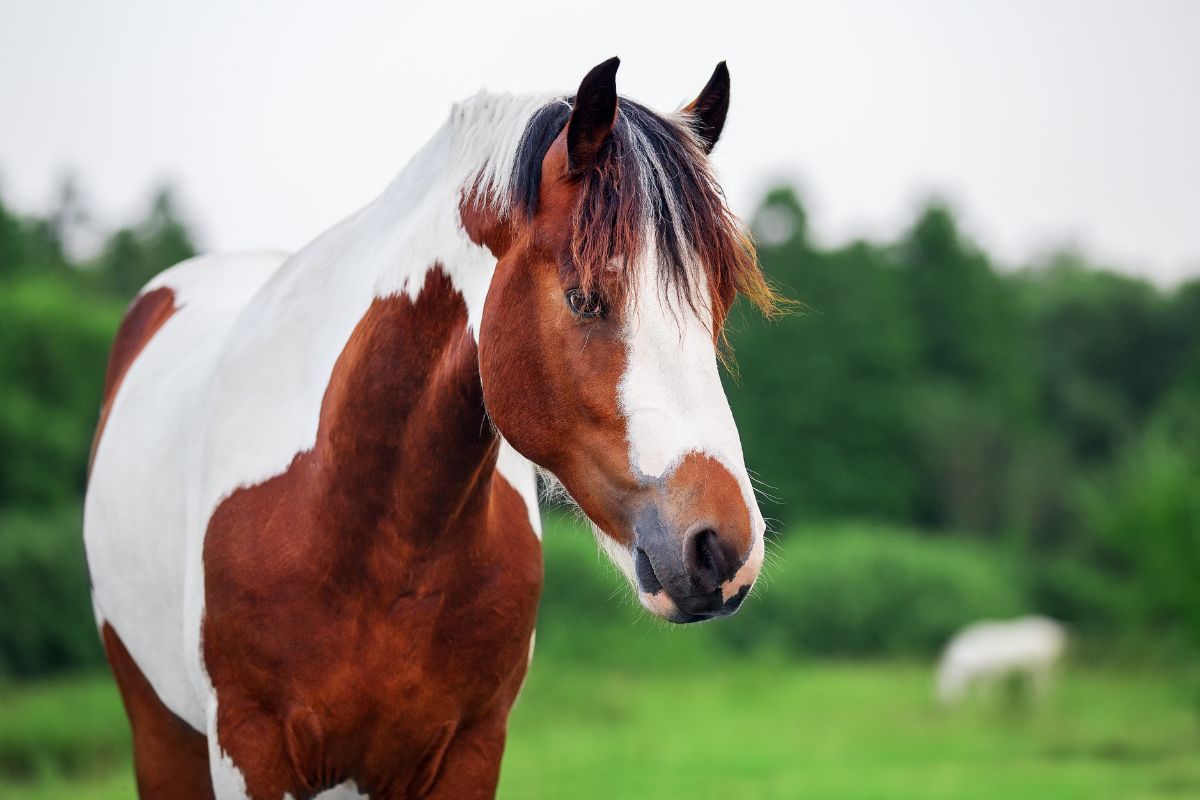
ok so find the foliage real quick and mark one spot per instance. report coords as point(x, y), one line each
point(47, 623)
point(916, 377)
point(60, 314)
point(921, 386)
point(844, 589)
point(53, 349)
point(870, 590)
point(1149, 510)
point(132, 256)
point(820, 449)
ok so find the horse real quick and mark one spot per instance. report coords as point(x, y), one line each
point(983, 653)
point(312, 523)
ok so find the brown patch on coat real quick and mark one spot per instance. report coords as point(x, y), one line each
point(702, 491)
point(170, 757)
point(145, 316)
point(369, 611)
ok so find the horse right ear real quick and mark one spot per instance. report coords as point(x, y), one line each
point(593, 117)
point(709, 109)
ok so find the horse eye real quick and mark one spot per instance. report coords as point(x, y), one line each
point(583, 305)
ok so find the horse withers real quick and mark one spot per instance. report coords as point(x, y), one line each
point(311, 521)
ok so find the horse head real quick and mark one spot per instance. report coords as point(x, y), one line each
point(617, 263)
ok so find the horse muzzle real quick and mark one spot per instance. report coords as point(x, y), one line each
point(695, 550)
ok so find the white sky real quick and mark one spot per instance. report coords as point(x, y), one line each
point(1046, 123)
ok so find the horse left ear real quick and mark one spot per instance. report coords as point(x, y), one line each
point(708, 110)
point(593, 117)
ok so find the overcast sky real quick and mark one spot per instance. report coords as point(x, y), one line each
point(1045, 123)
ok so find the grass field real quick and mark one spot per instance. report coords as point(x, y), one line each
point(754, 729)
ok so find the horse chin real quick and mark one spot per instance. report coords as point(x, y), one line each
point(663, 607)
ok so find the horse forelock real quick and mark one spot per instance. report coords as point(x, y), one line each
point(651, 196)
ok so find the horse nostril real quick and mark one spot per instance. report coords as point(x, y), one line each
point(707, 562)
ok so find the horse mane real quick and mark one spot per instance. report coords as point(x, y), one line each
point(650, 191)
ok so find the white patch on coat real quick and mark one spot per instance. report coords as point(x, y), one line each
point(985, 652)
point(142, 554)
point(522, 476)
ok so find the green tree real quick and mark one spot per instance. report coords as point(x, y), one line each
point(821, 400)
point(1148, 510)
point(12, 249)
point(1106, 351)
point(53, 350)
point(971, 330)
point(132, 256)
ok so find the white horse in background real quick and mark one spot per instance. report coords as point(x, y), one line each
point(986, 652)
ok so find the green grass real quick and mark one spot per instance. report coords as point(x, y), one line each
point(113, 785)
point(843, 731)
point(722, 729)
point(620, 705)
point(69, 727)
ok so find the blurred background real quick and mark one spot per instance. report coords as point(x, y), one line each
point(986, 404)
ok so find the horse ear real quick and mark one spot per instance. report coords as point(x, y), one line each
point(594, 115)
point(708, 110)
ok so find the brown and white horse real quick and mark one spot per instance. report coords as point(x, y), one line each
point(311, 523)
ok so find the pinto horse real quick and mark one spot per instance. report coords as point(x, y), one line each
point(311, 521)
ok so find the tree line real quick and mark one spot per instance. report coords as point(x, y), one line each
point(1049, 415)
point(1053, 410)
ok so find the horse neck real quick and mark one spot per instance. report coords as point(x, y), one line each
point(362, 307)
point(407, 446)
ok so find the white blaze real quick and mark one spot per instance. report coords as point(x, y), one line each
point(671, 393)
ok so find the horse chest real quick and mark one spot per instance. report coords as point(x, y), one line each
point(388, 647)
